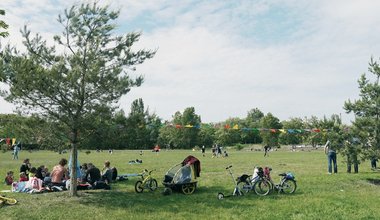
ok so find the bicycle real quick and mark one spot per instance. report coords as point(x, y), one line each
point(237, 191)
point(147, 182)
point(259, 184)
point(287, 185)
point(8, 201)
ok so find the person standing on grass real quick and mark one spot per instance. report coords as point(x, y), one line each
point(331, 157)
point(203, 150)
point(16, 149)
point(266, 150)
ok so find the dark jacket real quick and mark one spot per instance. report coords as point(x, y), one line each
point(93, 175)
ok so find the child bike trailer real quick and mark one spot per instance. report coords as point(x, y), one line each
point(183, 176)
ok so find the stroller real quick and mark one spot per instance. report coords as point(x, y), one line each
point(183, 177)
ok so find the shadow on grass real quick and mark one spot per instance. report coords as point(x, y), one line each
point(374, 181)
point(156, 201)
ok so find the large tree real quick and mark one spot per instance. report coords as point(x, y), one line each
point(367, 110)
point(90, 70)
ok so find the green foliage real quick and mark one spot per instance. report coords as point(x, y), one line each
point(184, 137)
point(239, 147)
point(294, 138)
point(3, 25)
point(270, 122)
point(206, 135)
point(252, 120)
point(69, 86)
point(367, 110)
point(314, 138)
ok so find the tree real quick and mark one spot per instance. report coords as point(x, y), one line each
point(206, 135)
point(292, 138)
point(367, 111)
point(252, 121)
point(269, 137)
point(184, 130)
point(142, 128)
point(3, 25)
point(69, 85)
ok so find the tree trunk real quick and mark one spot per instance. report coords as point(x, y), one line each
point(73, 170)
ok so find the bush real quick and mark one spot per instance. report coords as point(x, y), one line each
point(239, 147)
point(87, 152)
point(4, 148)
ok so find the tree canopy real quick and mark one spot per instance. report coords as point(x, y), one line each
point(367, 110)
point(88, 69)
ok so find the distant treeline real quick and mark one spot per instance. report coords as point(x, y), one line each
point(143, 130)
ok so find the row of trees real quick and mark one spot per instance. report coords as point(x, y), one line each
point(141, 129)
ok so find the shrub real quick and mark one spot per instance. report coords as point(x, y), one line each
point(239, 147)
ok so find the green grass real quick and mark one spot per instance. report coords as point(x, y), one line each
point(318, 196)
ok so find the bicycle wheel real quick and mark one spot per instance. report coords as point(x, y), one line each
point(153, 184)
point(139, 187)
point(244, 186)
point(220, 196)
point(262, 187)
point(188, 188)
point(289, 186)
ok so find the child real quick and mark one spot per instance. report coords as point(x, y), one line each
point(32, 172)
point(9, 178)
point(23, 177)
point(34, 184)
point(225, 154)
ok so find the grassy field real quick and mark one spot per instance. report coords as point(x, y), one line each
point(318, 196)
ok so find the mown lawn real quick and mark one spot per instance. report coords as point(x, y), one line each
point(318, 196)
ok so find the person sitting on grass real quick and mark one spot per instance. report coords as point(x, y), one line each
point(32, 172)
point(25, 167)
point(107, 173)
point(92, 174)
point(34, 184)
point(59, 174)
point(9, 178)
point(23, 177)
point(83, 171)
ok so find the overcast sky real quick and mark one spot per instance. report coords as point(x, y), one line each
point(291, 58)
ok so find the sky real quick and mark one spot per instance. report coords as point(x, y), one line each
point(291, 58)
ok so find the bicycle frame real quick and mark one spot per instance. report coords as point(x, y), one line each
point(146, 177)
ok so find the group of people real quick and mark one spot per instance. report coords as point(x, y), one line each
point(40, 179)
point(217, 150)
